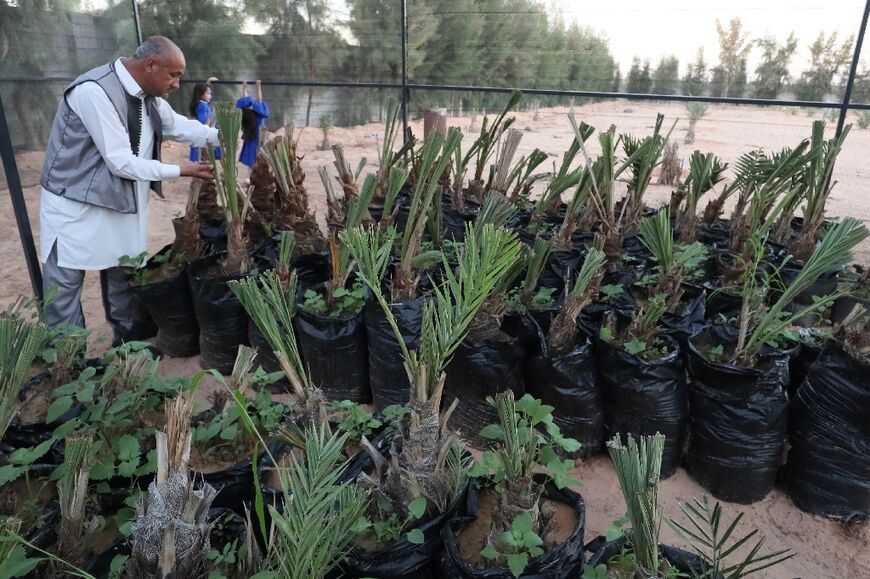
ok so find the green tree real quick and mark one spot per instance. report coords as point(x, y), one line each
point(208, 31)
point(696, 76)
point(639, 80)
point(590, 63)
point(717, 82)
point(861, 88)
point(771, 74)
point(734, 48)
point(617, 81)
point(738, 86)
point(828, 60)
point(666, 78)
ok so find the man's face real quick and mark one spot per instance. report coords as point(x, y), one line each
point(164, 75)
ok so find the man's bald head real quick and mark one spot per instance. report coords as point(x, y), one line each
point(157, 65)
point(158, 47)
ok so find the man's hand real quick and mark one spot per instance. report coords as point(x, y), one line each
point(201, 170)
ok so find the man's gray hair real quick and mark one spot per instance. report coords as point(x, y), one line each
point(153, 47)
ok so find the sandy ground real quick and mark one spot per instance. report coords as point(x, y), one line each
point(823, 548)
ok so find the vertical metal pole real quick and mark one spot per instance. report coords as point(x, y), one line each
point(19, 206)
point(406, 95)
point(853, 70)
point(137, 23)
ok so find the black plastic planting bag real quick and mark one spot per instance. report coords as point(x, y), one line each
point(170, 305)
point(336, 354)
point(387, 376)
point(223, 322)
point(480, 369)
point(402, 559)
point(569, 383)
point(603, 551)
point(31, 434)
point(738, 422)
point(642, 397)
point(800, 364)
point(690, 320)
point(561, 264)
point(561, 562)
point(454, 222)
point(828, 468)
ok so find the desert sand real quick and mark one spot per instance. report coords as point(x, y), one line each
point(823, 548)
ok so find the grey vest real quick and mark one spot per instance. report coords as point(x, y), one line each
point(73, 166)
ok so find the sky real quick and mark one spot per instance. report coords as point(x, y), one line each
point(656, 28)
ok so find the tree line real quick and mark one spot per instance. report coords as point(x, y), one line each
point(514, 43)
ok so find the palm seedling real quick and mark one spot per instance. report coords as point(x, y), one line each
point(293, 214)
point(271, 304)
point(420, 465)
point(524, 178)
point(485, 145)
point(638, 467)
point(535, 260)
point(705, 171)
point(20, 343)
point(346, 213)
point(563, 238)
point(855, 332)
point(434, 158)
point(69, 352)
point(389, 160)
point(346, 177)
point(671, 263)
point(235, 203)
point(760, 325)
point(643, 156)
point(72, 490)
point(496, 211)
point(714, 539)
point(315, 530)
point(747, 173)
point(563, 331)
point(602, 176)
point(564, 177)
point(817, 181)
point(187, 238)
point(171, 531)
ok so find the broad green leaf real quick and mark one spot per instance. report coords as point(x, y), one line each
point(415, 536)
point(489, 552)
point(635, 347)
point(103, 469)
point(517, 563)
point(522, 523)
point(417, 507)
point(29, 455)
point(492, 432)
point(127, 447)
point(57, 408)
point(9, 473)
point(128, 467)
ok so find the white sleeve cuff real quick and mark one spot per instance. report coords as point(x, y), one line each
point(169, 171)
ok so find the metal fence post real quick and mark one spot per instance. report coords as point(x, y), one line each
point(406, 94)
point(136, 22)
point(18, 205)
point(853, 70)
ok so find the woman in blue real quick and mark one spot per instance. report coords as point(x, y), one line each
point(200, 110)
point(254, 115)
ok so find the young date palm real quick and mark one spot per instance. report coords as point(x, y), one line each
point(705, 171)
point(760, 325)
point(235, 203)
point(420, 464)
point(638, 467)
point(818, 184)
point(563, 331)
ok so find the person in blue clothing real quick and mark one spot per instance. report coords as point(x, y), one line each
point(254, 115)
point(200, 110)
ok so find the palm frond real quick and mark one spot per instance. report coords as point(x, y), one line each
point(271, 305)
point(315, 528)
point(638, 467)
point(20, 343)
